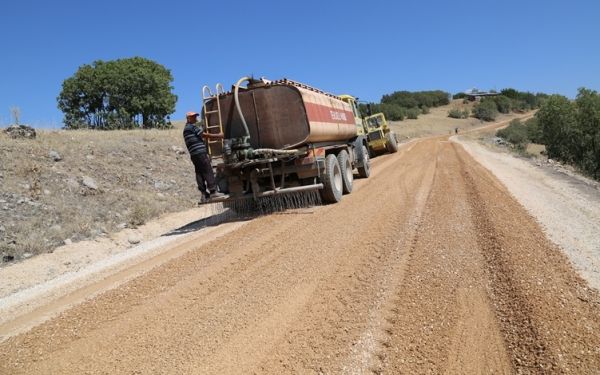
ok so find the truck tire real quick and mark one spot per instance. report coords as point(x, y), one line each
point(332, 180)
point(346, 170)
point(364, 168)
point(391, 144)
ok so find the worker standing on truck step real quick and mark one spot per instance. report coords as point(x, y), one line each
point(194, 141)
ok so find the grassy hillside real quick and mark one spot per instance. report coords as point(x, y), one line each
point(103, 181)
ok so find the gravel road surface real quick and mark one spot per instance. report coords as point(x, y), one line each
point(429, 266)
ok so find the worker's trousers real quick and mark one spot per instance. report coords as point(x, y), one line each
point(205, 177)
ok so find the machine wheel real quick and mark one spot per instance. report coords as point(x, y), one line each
point(364, 170)
point(346, 170)
point(332, 180)
point(391, 144)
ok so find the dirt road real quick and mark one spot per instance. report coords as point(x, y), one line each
point(428, 267)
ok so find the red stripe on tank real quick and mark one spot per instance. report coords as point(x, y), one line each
point(324, 113)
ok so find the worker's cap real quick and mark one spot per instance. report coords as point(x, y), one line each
point(191, 114)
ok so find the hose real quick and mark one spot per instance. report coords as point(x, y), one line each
point(273, 151)
point(237, 102)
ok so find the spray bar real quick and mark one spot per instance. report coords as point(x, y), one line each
point(269, 193)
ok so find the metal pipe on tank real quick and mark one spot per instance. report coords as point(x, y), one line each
point(237, 102)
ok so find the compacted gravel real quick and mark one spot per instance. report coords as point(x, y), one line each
point(429, 266)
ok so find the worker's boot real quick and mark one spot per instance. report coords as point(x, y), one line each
point(216, 194)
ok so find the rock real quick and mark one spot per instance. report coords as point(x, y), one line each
point(8, 258)
point(20, 131)
point(160, 196)
point(2, 229)
point(46, 192)
point(68, 241)
point(54, 155)
point(89, 183)
point(178, 150)
point(27, 255)
point(159, 185)
point(89, 157)
point(134, 238)
point(122, 226)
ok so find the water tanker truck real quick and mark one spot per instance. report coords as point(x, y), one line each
point(283, 137)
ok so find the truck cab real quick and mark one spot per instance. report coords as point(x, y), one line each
point(360, 124)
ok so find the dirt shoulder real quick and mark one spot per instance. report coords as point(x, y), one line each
point(566, 205)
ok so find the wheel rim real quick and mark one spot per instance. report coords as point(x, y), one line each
point(349, 175)
point(337, 179)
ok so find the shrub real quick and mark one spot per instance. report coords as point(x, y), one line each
point(407, 99)
point(458, 113)
point(392, 112)
point(534, 131)
point(413, 113)
point(515, 133)
point(425, 110)
point(460, 95)
point(486, 110)
point(503, 104)
point(557, 119)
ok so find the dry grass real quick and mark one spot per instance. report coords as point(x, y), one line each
point(535, 150)
point(43, 202)
point(437, 122)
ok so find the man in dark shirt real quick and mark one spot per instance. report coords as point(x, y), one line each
point(194, 141)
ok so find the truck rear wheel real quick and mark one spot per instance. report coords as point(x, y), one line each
point(391, 144)
point(364, 168)
point(346, 170)
point(332, 180)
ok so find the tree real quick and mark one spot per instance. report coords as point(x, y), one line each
point(118, 94)
point(588, 123)
point(486, 110)
point(557, 118)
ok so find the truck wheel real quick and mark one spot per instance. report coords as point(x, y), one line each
point(391, 144)
point(332, 180)
point(364, 170)
point(346, 170)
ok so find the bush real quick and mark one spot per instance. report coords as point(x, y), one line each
point(557, 119)
point(416, 99)
point(486, 110)
point(425, 110)
point(534, 131)
point(413, 113)
point(503, 103)
point(393, 112)
point(571, 131)
point(515, 133)
point(460, 95)
point(458, 113)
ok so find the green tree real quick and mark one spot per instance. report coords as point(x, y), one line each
point(557, 118)
point(118, 94)
point(588, 123)
point(503, 103)
point(486, 110)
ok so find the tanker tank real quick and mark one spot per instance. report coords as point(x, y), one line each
point(285, 114)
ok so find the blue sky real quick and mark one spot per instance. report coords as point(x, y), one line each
point(366, 48)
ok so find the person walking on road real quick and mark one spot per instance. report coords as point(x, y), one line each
point(194, 141)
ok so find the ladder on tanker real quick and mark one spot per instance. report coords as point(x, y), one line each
point(207, 96)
